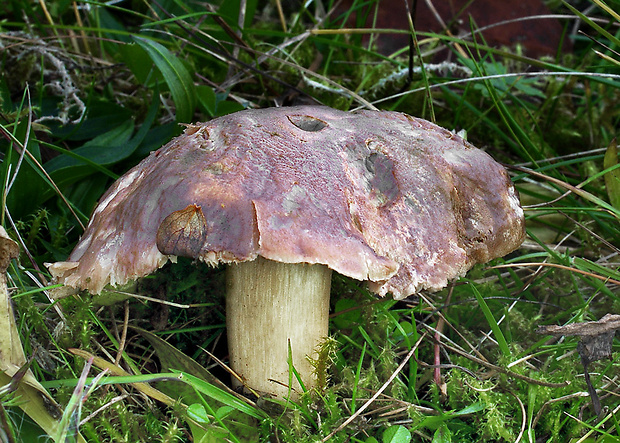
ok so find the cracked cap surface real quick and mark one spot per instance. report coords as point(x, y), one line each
point(375, 195)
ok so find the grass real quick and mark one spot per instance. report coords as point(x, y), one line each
point(107, 83)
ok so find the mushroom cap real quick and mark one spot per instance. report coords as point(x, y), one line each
point(374, 195)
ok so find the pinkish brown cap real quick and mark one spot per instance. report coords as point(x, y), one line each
point(377, 196)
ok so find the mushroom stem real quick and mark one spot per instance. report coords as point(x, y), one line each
point(269, 305)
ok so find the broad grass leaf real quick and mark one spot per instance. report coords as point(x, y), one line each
point(206, 99)
point(106, 149)
point(442, 435)
point(434, 422)
point(139, 62)
point(176, 76)
point(194, 375)
point(222, 396)
point(227, 107)
point(111, 27)
point(155, 137)
point(351, 317)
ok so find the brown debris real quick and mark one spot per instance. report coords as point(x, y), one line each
point(596, 339)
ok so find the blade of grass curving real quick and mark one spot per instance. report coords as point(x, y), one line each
point(607, 57)
point(176, 76)
point(567, 268)
point(174, 19)
point(482, 116)
point(603, 78)
point(592, 23)
point(292, 372)
point(428, 98)
point(8, 187)
point(68, 430)
point(497, 332)
point(524, 142)
point(142, 386)
point(297, 67)
point(375, 349)
point(575, 189)
point(601, 4)
point(41, 171)
point(106, 149)
point(357, 379)
point(612, 174)
point(219, 395)
point(206, 46)
point(597, 271)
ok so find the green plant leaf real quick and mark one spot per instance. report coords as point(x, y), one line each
point(108, 148)
point(206, 99)
point(104, 149)
point(396, 434)
point(176, 75)
point(592, 23)
point(170, 358)
point(138, 61)
point(198, 413)
point(227, 107)
point(101, 117)
point(612, 177)
point(442, 435)
point(348, 319)
point(497, 332)
point(218, 394)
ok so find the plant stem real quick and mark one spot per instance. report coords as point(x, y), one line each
point(269, 305)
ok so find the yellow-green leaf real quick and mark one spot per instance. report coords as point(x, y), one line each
point(612, 177)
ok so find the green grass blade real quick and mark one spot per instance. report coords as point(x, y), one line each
point(497, 332)
point(612, 177)
point(176, 75)
point(357, 378)
point(592, 23)
point(219, 395)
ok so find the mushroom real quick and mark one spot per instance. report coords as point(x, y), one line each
point(283, 196)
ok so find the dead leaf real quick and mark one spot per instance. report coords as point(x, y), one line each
point(596, 339)
point(170, 358)
point(145, 388)
point(183, 232)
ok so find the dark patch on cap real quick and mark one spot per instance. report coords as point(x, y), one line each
point(383, 182)
point(307, 123)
